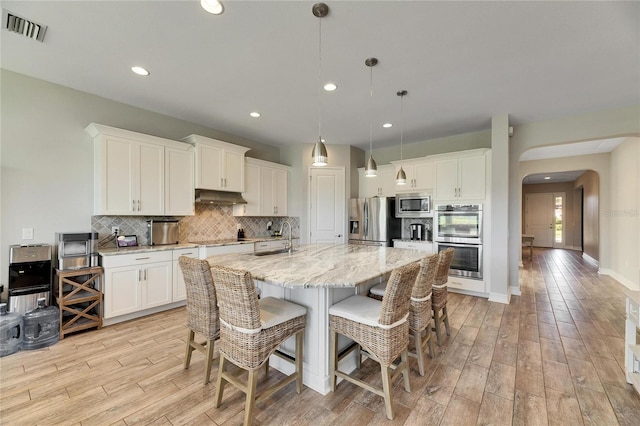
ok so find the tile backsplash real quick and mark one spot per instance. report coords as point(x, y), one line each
point(211, 222)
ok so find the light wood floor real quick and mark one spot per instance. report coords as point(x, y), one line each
point(552, 356)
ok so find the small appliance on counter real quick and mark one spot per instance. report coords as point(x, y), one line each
point(75, 250)
point(161, 232)
point(417, 232)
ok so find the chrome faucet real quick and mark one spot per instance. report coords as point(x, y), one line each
point(290, 235)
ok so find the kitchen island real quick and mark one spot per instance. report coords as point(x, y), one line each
point(316, 277)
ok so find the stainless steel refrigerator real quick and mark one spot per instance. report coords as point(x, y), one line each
point(372, 221)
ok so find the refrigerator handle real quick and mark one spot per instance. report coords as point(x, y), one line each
point(365, 229)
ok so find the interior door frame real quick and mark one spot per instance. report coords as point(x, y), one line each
point(343, 232)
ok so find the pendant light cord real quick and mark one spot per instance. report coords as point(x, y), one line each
point(401, 127)
point(371, 112)
point(319, 79)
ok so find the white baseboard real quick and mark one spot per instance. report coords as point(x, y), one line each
point(590, 259)
point(139, 314)
point(515, 290)
point(622, 280)
point(500, 298)
point(576, 248)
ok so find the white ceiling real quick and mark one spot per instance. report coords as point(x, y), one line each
point(461, 62)
point(571, 149)
point(556, 177)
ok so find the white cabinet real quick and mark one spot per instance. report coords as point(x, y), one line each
point(461, 177)
point(266, 188)
point(219, 165)
point(632, 343)
point(381, 185)
point(425, 246)
point(178, 182)
point(140, 175)
point(134, 282)
point(179, 292)
point(419, 175)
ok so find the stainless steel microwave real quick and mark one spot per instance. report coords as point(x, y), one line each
point(413, 205)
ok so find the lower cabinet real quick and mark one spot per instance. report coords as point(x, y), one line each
point(179, 291)
point(135, 282)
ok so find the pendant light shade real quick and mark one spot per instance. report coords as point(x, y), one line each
point(371, 169)
point(319, 155)
point(401, 177)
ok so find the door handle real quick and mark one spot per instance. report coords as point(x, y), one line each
point(339, 236)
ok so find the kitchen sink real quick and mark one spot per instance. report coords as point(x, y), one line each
point(268, 252)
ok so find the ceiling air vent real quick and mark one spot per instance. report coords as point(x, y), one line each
point(27, 28)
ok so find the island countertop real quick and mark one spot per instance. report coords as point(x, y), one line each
point(321, 265)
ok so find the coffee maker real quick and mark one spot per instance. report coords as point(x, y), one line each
point(417, 232)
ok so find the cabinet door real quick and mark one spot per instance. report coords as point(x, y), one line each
point(208, 167)
point(233, 171)
point(268, 202)
point(471, 178)
point(150, 169)
point(158, 284)
point(280, 186)
point(446, 179)
point(122, 290)
point(368, 185)
point(423, 176)
point(387, 181)
point(252, 192)
point(179, 189)
point(117, 191)
point(179, 292)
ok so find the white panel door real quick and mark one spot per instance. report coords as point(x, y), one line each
point(538, 218)
point(327, 221)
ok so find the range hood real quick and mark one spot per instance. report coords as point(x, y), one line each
point(219, 197)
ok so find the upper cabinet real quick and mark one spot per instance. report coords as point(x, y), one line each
point(219, 165)
point(140, 175)
point(381, 185)
point(266, 188)
point(419, 175)
point(461, 176)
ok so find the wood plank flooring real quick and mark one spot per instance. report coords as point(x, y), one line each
point(554, 355)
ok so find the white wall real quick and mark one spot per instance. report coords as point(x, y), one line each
point(623, 214)
point(47, 157)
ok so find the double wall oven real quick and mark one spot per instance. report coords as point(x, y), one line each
point(460, 226)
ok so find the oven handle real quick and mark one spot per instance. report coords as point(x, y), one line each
point(28, 290)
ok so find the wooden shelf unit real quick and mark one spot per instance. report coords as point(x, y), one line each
point(80, 303)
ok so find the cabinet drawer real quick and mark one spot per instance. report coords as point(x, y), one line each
point(189, 252)
point(465, 284)
point(136, 258)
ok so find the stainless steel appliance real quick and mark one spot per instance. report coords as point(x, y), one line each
point(460, 226)
point(467, 259)
point(413, 205)
point(458, 223)
point(76, 250)
point(29, 276)
point(161, 232)
point(417, 231)
point(372, 222)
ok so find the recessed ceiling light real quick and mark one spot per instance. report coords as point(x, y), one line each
point(254, 114)
point(212, 6)
point(547, 177)
point(387, 125)
point(330, 87)
point(140, 70)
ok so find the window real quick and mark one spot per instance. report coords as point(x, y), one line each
point(558, 219)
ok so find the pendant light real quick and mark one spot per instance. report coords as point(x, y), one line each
point(319, 153)
point(401, 177)
point(371, 169)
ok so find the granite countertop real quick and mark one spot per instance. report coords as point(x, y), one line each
point(321, 265)
point(110, 251)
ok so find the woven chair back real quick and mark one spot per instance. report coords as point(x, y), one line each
point(202, 309)
point(237, 297)
point(426, 275)
point(395, 302)
point(442, 275)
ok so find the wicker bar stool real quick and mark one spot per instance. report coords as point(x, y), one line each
point(202, 311)
point(419, 308)
point(250, 331)
point(380, 328)
point(440, 293)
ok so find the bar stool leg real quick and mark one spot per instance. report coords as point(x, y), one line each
point(187, 357)
point(417, 338)
point(386, 388)
point(220, 382)
point(252, 383)
point(404, 359)
point(436, 323)
point(299, 367)
point(210, 347)
point(445, 316)
point(333, 355)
